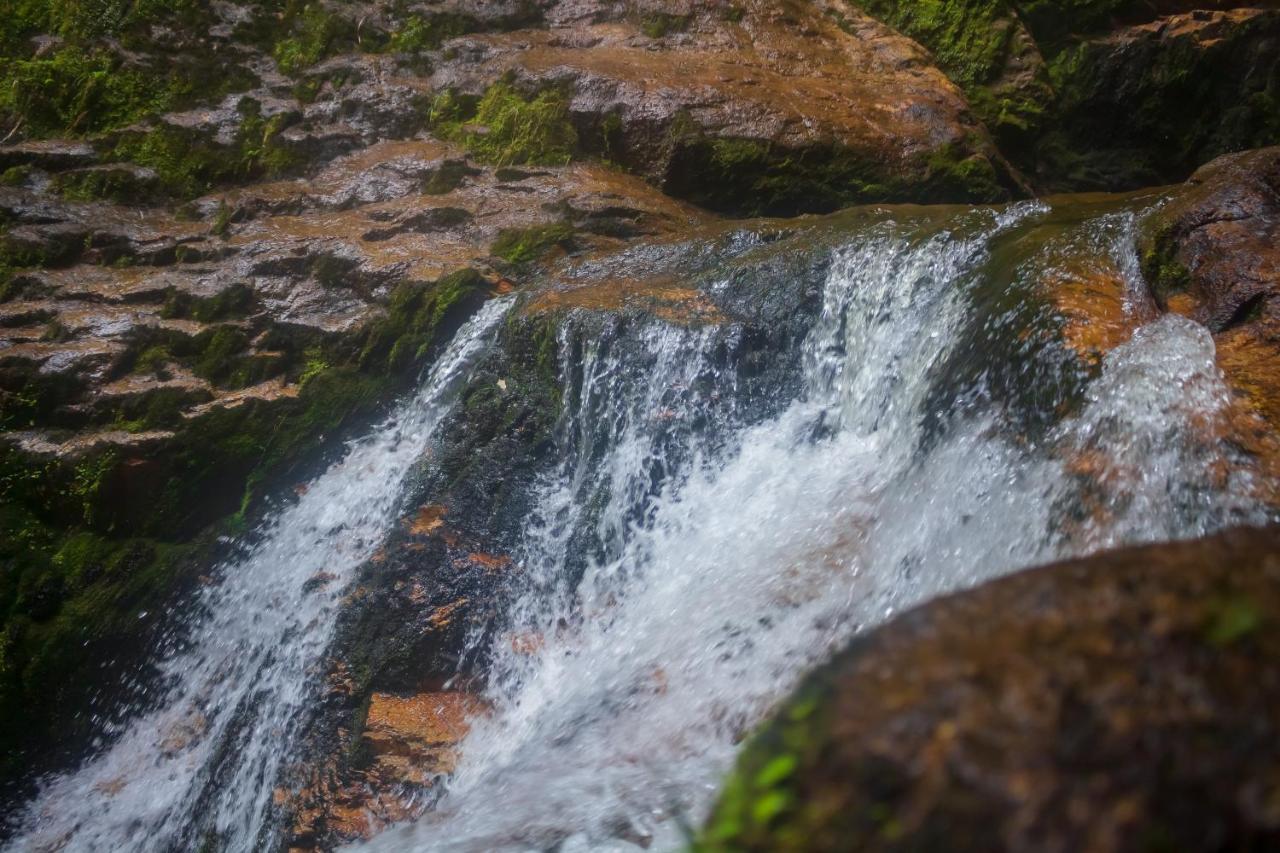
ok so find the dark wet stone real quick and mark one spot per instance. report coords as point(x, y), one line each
point(1127, 701)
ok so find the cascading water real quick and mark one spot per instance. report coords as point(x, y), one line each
point(731, 555)
point(204, 764)
point(694, 549)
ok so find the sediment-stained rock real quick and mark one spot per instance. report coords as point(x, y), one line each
point(1105, 704)
point(1212, 253)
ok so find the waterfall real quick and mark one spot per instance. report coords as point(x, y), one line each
point(693, 549)
point(206, 760)
point(731, 555)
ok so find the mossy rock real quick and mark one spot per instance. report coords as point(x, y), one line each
point(507, 126)
point(1130, 697)
point(747, 176)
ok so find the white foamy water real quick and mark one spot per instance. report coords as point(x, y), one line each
point(207, 760)
point(761, 551)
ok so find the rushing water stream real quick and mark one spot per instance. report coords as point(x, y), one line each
point(206, 759)
point(729, 551)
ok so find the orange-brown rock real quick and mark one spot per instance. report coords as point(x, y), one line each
point(413, 738)
point(1107, 704)
point(407, 742)
point(815, 95)
point(1212, 253)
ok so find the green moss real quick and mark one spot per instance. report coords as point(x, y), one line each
point(73, 91)
point(525, 245)
point(15, 176)
point(152, 360)
point(1231, 621)
point(90, 84)
point(234, 301)
point(659, 24)
point(188, 164)
point(743, 176)
point(113, 184)
point(222, 220)
point(507, 127)
point(71, 600)
point(87, 481)
point(416, 315)
point(756, 800)
point(970, 38)
point(419, 32)
point(316, 34)
point(314, 366)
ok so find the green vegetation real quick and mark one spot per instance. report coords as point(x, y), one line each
point(73, 91)
point(524, 245)
point(1164, 273)
point(83, 20)
point(15, 176)
point(758, 793)
point(187, 164)
point(92, 81)
point(114, 184)
point(419, 33)
point(315, 34)
point(507, 127)
point(659, 24)
point(82, 572)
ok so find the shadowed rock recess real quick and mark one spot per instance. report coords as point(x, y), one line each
point(236, 238)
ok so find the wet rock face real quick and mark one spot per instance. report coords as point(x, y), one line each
point(429, 607)
point(757, 107)
point(1149, 103)
point(1114, 703)
point(1212, 253)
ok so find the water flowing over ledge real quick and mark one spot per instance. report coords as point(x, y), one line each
point(206, 758)
point(760, 550)
point(691, 551)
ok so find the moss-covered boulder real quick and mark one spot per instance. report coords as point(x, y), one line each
point(1122, 702)
point(1107, 94)
point(1149, 103)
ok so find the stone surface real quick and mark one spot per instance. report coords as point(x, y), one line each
point(716, 105)
point(1113, 703)
point(1151, 102)
point(1212, 253)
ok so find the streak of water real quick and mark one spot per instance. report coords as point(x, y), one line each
point(204, 764)
point(714, 592)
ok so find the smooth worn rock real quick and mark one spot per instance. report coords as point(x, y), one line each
point(1126, 701)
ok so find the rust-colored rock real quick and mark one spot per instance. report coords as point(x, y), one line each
point(1112, 703)
point(814, 104)
point(1212, 253)
point(408, 740)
